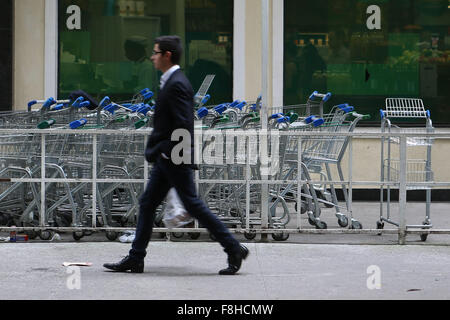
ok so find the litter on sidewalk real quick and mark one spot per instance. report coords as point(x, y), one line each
point(78, 264)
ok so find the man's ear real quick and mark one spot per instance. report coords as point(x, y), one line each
point(168, 54)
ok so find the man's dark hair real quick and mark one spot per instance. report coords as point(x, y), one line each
point(172, 44)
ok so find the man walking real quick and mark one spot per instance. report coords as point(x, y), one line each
point(174, 110)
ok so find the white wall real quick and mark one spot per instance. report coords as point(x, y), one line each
point(29, 40)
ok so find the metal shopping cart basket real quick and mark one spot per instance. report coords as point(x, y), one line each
point(418, 171)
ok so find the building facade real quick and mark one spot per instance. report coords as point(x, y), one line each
point(359, 50)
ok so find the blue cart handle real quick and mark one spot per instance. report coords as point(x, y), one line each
point(283, 119)
point(105, 102)
point(85, 104)
point(144, 91)
point(78, 123)
point(148, 95)
point(276, 116)
point(206, 99)
point(241, 105)
point(234, 103)
point(345, 107)
point(325, 96)
point(220, 108)
point(313, 95)
point(202, 112)
point(77, 102)
point(48, 103)
point(31, 103)
point(143, 109)
point(110, 108)
point(316, 121)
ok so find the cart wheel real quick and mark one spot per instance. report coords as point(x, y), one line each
point(343, 221)
point(321, 225)
point(380, 225)
point(111, 235)
point(280, 236)
point(424, 236)
point(321, 196)
point(234, 212)
point(328, 205)
point(123, 222)
point(77, 235)
point(356, 225)
point(302, 208)
point(250, 235)
point(194, 235)
point(312, 222)
point(45, 235)
point(177, 235)
point(212, 237)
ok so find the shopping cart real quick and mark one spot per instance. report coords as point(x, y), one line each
point(417, 170)
point(232, 112)
point(228, 200)
point(318, 153)
point(330, 150)
point(19, 153)
point(69, 156)
point(314, 106)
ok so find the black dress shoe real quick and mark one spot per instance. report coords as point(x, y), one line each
point(127, 264)
point(235, 261)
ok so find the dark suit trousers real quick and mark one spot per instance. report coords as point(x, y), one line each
point(164, 176)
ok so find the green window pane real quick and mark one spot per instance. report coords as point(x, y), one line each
point(105, 45)
point(6, 69)
point(366, 51)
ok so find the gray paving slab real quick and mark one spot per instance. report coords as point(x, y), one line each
point(188, 271)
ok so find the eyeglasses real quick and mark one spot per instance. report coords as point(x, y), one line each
point(156, 52)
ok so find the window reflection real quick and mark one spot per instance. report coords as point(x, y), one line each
point(402, 49)
point(6, 55)
point(109, 54)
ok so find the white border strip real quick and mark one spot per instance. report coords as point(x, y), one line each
point(239, 49)
point(51, 49)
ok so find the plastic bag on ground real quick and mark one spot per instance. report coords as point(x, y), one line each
point(127, 236)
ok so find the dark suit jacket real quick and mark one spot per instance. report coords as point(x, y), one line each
point(174, 110)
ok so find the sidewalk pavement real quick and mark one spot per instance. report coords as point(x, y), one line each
point(189, 271)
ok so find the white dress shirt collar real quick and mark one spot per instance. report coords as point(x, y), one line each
point(167, 75)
